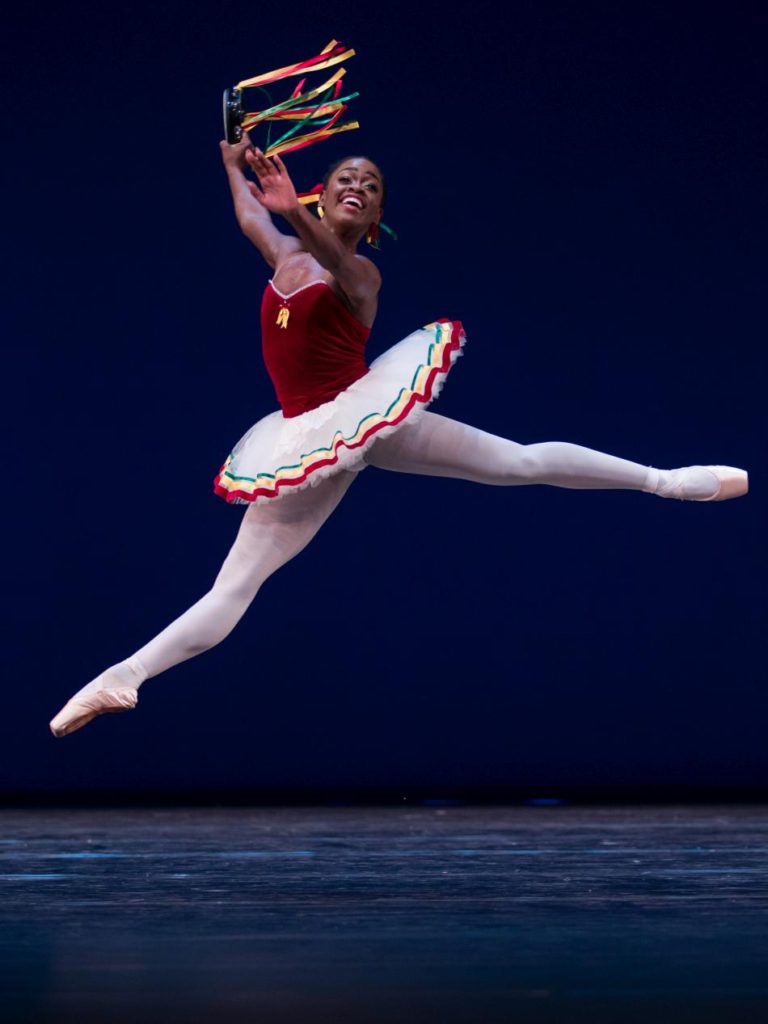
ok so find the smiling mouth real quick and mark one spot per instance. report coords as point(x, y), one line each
point(353, 202)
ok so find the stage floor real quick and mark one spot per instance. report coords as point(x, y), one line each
point(445, 915)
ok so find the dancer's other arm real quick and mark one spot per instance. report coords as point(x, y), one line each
point(357, 276)
point(252, 216)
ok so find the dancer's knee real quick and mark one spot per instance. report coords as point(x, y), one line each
point(224, 605)
point(516, 464)
point(526, 465)
point(541, 463)
point(236, 592)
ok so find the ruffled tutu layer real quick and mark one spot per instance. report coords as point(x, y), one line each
point(278, 456)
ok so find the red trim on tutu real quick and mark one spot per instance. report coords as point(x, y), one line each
point(231, 497)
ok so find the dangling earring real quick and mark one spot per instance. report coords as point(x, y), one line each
point(372, 238)
point(320, 211)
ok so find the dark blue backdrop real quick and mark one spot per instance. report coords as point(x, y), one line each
point(584, 186)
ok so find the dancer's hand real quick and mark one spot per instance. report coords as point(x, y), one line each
point(234, 155)
point(275, 190)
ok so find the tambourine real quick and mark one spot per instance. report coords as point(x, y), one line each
point(234, 115)
point(319, 108)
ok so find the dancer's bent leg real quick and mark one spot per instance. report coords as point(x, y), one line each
point(271, 533)
point(438, 446)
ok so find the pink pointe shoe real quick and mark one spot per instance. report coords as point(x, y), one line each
point(690, 483)
point(80, 710)
point(733, 483)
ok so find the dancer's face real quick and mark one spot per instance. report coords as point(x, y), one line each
point(352, 197)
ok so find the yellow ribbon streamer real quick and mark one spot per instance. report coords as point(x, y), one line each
point(307, 140)
point(296, 69)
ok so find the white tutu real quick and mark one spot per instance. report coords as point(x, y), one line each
point(279, 455)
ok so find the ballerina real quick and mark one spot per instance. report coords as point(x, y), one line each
point(337, 415)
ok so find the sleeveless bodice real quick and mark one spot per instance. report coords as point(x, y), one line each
point(313, 346)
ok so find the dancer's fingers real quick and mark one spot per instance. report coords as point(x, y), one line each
point(264, 167)
point(280, 165)
point(269, 163)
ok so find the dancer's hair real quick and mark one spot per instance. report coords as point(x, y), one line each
point(359, 156)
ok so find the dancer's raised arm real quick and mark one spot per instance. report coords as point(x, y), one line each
point(253, 218)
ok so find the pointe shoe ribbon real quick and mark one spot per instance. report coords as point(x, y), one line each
point(79, 711)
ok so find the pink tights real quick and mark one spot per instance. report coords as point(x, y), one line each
point(273, 531)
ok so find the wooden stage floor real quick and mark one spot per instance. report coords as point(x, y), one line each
point(444, 915)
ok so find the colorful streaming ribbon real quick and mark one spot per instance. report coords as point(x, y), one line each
point(322, 116)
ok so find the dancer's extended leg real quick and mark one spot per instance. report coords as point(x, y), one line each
point(270, 535)
point(438, 446)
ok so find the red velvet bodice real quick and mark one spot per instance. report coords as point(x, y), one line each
point(313, 346)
